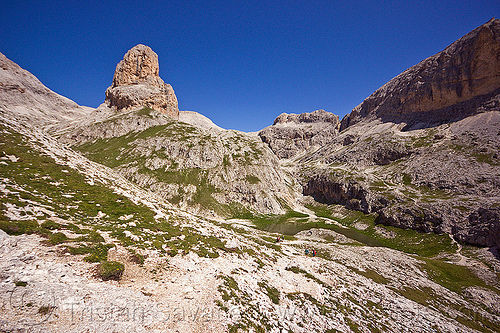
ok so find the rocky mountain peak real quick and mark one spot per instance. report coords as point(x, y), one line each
point(451, 85)
point(317, 116)
point(137, 83)
point(293, 134)
point(23, 93)
point(140, 64)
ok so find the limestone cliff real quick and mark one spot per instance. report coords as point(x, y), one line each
point(137, 83)
point(446, 86)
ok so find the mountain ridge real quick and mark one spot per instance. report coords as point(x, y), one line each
point(467, 68)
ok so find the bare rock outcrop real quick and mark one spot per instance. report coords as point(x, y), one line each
point(198, 120)
point(434, 91)
point(444, 179)
point(292, 134)
point(334, 188)
point(137, 83)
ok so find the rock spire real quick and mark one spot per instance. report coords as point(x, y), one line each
point(137, 83)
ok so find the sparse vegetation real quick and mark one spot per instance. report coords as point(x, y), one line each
point(451, 276)
point(252, 179)
point(45, 309)
point(57, 238)
point(272, 293)
point(95, 253)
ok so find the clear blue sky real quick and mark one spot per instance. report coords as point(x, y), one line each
point(241, 63)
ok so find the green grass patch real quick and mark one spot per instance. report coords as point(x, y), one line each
point(95, 253)
point(19, 227)
point(321, 210)
point(451, 276)
point(58, 188)
point(272, 293)
point(145, 111)
point(406, 179)
point(110, 270)
point(45, 309)
point(298, 270)
point(485, 158)
point(252, 179)
point(228, 288)
point(371, 274)
point(51, 225)
point(406, 240)
point(57, 238)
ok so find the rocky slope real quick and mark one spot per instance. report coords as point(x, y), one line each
point(439, 179)
point(137, 83)
point(447, 86)
point(218, 172)
point(401, 156)
point(198, 120)
point(186, 273)
point(21, 92)
point(68, 217)
point(191, 162)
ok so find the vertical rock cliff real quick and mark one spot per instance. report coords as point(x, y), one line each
point(137, 83)
point(447, 86)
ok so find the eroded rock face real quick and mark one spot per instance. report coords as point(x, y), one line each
point(137, 83)
point(444, 179)
point(434, 90)
point(140, 64)
point(292, 134)
point(333, 188)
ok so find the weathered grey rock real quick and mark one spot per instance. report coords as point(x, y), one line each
point(198, 120)
point(137, 83)
point(483, 228)
point(434, 91)
point(23, 94)
point(114, 125)
point(292, 134)
point(436, 179)
point(335, 188)
point(422, 151)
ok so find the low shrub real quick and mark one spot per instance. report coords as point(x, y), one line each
point(110, 270)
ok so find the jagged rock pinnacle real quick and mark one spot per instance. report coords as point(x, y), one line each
point(136, 83)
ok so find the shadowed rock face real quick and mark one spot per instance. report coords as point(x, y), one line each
point(428, 91)
point(136, 83)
